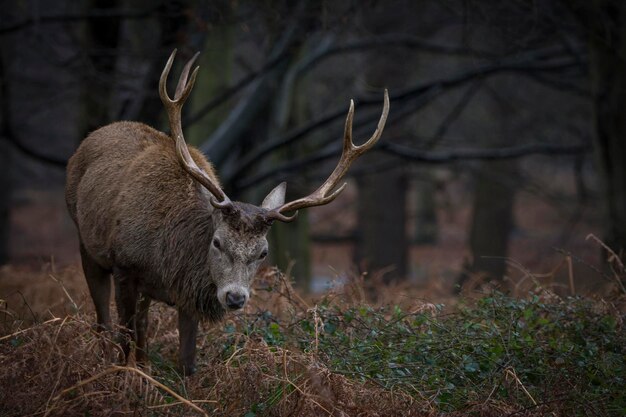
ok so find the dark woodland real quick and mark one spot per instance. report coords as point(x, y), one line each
point(493, 105)
point(497, 189)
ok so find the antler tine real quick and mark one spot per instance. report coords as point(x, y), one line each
point(347, 130)
point(174, 109)
point(361, 149)
point(165, 98)
point(349, 153)
point(183, 86)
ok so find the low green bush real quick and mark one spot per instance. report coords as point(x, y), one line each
point(566, 355)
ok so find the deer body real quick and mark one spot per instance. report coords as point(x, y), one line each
point(150, 211)
point(136, 207)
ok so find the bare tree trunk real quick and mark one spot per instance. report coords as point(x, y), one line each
point(291, 245)
point(103, 37)
point(216, 61)
point(5, 163)
point(496, 184)
point(381, 236)
point(425, 229)
point(492, 220)
point(608, 75)
point(291, 248)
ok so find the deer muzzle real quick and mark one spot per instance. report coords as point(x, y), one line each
point(233, 297)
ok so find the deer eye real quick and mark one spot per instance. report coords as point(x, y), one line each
point(263, 254)
point(217, 244)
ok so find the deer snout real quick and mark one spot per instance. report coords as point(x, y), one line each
point(234, 300)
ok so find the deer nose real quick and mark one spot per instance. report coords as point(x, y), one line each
point(235, 301)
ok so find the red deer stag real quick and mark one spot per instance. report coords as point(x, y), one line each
point(150, 211)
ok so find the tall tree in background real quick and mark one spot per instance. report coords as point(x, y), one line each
point(606, 20)
point(5, 161)
point(101, 43)
point(494, 196)
point(492, 220)
point(290, 242)
point(217, 63)
point(382, 236)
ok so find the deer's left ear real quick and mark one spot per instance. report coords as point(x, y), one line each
point(275, 198)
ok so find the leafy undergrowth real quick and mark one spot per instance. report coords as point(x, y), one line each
point(494, 356)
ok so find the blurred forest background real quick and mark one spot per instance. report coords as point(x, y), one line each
point(503, 150)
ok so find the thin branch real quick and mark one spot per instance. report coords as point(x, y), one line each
point(444, 157)
point(455, 113)
point(423, 156)
point(385, 41)
point(287, 88)
point(408, 41)
point(231, 91)
point(561, 85)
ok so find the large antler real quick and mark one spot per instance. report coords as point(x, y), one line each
point(349, 153)
point(174, 108)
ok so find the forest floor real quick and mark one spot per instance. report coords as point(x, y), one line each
point(336, 354)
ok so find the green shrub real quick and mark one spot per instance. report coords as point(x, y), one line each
point(567, 355)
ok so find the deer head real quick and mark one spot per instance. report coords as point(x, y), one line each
point(239, 243)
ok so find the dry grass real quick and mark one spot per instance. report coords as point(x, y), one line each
point(62, 367)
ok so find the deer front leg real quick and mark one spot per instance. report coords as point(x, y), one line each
point(141, 327)
point(187, 332)
point(99, 282)
point(126, 296)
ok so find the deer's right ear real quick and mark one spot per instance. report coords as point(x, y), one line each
point(276, 197)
